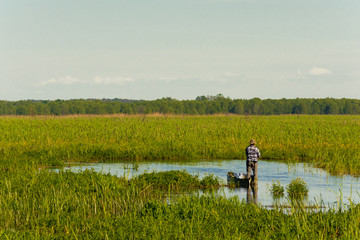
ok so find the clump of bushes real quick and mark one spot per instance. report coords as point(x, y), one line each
point(276, 189)
point(210, 181)
point(297, 188)
point(176, 179)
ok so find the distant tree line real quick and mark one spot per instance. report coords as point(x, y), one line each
point(201, 105)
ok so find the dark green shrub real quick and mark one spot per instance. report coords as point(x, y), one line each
point(210, 180)
point(276, 189)
point(177, 179)
point(297, 188)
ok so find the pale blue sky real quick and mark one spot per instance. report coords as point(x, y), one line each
point(181, 49)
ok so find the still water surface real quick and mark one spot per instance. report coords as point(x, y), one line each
point(324, 189)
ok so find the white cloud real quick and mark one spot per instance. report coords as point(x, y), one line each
point(227, 77)
point(315, 71)
point(319, 71)
point(112, 80)
point(221, 78)
point(67, 80)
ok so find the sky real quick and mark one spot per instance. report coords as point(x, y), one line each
point(150, 49)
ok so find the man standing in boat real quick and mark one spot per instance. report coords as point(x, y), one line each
point(252, 155)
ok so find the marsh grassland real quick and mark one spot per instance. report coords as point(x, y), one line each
point(39, 204)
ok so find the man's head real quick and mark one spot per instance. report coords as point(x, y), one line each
point(252, 142)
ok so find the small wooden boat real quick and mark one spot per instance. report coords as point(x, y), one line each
point(239, 180)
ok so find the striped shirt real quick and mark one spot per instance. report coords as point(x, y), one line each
point(252, 153)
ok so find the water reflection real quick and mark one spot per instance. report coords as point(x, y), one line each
point(252, 193)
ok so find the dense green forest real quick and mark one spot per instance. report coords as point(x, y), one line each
point(201, 105)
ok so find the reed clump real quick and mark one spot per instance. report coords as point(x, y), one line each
point(276, 189)
point(297, 188)
point(177, 180)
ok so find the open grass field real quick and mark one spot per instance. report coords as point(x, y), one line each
point(40, 204)
point(330, 142)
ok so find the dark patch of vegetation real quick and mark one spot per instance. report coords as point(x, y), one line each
point(297, 188)
point(201, 105)
point(276, 189)
point(176, 180)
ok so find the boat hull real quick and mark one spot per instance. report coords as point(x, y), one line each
point(240, 181)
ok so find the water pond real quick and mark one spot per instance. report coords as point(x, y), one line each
point(324, 189)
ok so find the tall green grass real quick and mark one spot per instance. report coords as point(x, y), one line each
point(330, 142)
point(90, 205)
point(45, 203)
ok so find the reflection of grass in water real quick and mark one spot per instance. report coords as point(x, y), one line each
point(134, 166)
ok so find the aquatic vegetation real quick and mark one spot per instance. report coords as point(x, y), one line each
point(210, 180)
point(176, 180)
point(276, 189)
point(297, 188)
